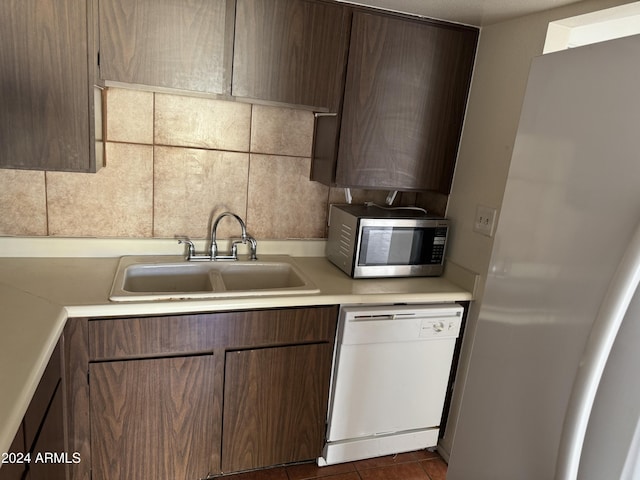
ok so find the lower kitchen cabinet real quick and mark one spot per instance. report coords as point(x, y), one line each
point(274, 405)
point(51, 441)
point(152, 418)
point(14, 470)
point(40, 443)
point(187, 396)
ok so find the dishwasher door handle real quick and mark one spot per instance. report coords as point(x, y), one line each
point(373, 318)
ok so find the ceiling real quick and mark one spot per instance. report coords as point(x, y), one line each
point(470, 12)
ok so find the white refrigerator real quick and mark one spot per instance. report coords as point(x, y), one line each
point(553, 386)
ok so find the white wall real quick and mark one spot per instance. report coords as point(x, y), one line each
point(616, 22)
point(504, 55)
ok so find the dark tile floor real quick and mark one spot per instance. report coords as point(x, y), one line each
point(420, 465)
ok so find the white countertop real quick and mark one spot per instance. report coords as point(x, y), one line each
point(39, 293)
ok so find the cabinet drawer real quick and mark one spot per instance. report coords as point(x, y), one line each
point(270, 328)
point(112, 339)
point(149, 337)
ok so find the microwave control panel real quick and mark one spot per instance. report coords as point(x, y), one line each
point(439, 242)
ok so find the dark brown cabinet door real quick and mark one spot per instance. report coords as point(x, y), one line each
point(290, 51)
point(152, 418)
point(275, 404)
point(155, 401)
point(45, 95)
point(405, 96)
point(44, 423)
point(167, 43)
point(51, 440)
point(14, 471)
point(42, 433)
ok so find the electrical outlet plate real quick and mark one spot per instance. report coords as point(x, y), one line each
point(485, 220)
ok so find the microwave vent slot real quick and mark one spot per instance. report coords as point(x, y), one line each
point(346, 240)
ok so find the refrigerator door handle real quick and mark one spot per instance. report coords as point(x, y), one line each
point(631, 469)
point(621, 290)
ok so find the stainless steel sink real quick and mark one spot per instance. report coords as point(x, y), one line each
point(144, 278)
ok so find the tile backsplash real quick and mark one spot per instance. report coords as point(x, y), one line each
point(171, 162)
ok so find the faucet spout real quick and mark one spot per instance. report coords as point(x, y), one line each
point(233, 254)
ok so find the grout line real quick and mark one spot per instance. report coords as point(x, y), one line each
point(249, 153)
point(46, 206)
point(153, 168)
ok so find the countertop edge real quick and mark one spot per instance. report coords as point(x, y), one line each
point(252, 303)
point(21, 379)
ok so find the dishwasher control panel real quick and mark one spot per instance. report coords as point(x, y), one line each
point(398, 323)
point(440, 327)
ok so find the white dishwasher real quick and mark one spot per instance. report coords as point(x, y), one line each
point(389, 381)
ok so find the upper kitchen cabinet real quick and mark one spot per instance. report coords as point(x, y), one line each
point(46, 85)
point(291, 52)
point(167, 43)
point(404, 103)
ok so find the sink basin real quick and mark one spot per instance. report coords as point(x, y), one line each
point(251, 276)
point(172, 278)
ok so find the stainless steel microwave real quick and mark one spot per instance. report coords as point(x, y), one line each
point(372, 241)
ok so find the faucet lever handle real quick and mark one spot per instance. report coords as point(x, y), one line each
point(253, 247)
point(191, 249)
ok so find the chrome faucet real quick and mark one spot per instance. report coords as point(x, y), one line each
point(245, 237)
point(212, 254)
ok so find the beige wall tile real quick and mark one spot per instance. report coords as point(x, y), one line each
point(115, 202)
point(281, 131)
point(202, 123)
point(283, 202)
point(175, 192)
point(190, 184)
point(129, 116)
point(23, 208)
